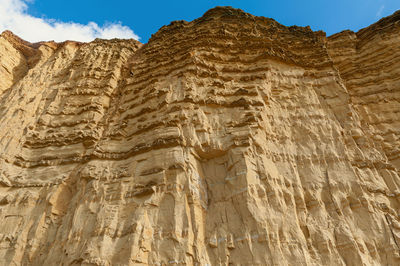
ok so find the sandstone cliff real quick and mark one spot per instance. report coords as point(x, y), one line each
point(228, 139)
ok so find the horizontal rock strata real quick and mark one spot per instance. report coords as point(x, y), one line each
point(230, 139)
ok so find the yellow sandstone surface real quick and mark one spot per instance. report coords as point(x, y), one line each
point(228, 140)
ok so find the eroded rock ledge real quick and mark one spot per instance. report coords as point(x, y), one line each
point(228, 139)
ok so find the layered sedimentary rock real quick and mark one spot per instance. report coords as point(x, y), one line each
point(228, 139)
point(368, 62)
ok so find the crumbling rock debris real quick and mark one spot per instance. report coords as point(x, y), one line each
point(230, 139)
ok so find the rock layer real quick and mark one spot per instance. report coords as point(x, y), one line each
point(228, 139)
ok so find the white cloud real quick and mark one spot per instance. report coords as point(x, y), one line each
point(14, 17)
point(379, 13)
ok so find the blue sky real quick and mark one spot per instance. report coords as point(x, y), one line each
point(143, 18)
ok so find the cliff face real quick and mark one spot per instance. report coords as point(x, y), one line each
point(228, 139)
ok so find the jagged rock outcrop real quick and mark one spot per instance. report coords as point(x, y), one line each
point(228, 139)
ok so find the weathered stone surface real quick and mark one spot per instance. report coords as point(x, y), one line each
point(228, 139)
